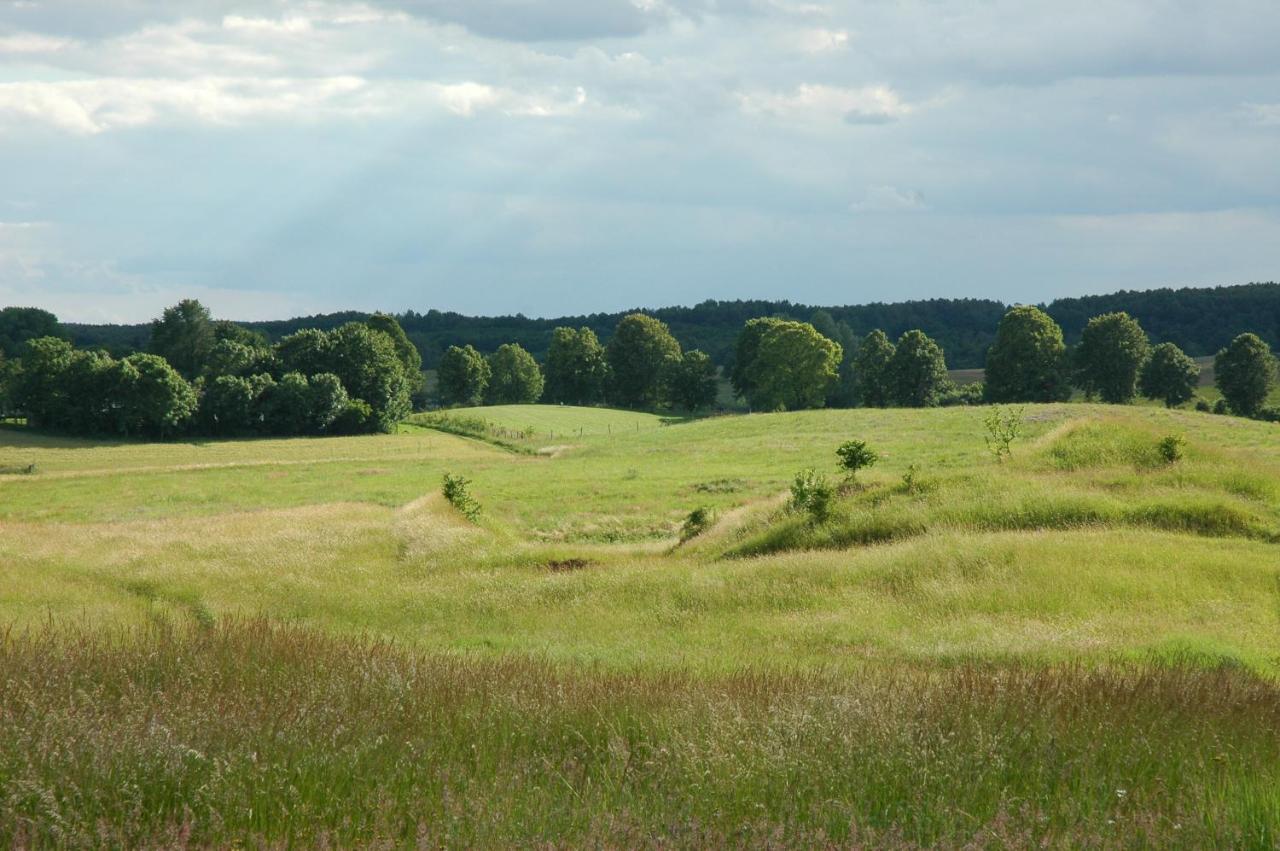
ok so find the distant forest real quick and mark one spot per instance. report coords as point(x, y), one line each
point(1200, 321)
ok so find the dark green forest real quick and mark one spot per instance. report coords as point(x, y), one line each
point(1200, 321)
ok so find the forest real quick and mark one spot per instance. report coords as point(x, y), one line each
point(1200, 321)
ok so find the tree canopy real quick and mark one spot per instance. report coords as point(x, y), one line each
point(1027, 361)
point(1245, 372)
point(1169, 375)
point(693, 383)
point(515, 377)
point(917, 371)
point(184, 336)
point(1113, 349)
point(793, 367)
point(872, 383)
point(463, 376)
point(577, 369)
point(641, 356)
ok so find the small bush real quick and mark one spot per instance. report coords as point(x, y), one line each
point(1221, 407)
point(356, 418)
point(1203, 406)
point(854, 455)
point(1171, 447)
point(915, 484)
point(698, 521)
point(1269, 415)
point(962, 394)
point(457, 490)
point(1004, 426)
point(813, 494)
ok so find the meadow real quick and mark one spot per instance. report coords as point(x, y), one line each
point(301, 642)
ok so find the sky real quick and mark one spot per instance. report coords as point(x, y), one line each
point(549, 157)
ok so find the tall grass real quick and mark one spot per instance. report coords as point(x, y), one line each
point(254, 733)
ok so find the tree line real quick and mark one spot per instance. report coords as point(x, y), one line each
point(206, 377)
point(202, 376)
point(1198, 320)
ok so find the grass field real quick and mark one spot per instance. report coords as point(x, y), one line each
point(300, 641)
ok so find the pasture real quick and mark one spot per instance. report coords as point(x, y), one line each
point(300, 641)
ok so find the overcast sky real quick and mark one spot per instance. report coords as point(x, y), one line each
point(278, 157)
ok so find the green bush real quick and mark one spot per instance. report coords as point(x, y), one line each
point(855, 455)
point(812, 494)
point(1171, 447)
point(698, 521)
point(1004, 425)
point(457, 490)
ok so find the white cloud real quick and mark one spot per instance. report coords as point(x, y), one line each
point(89, 107)
point(33, 43)
point(810, 102)
point(1264, 114)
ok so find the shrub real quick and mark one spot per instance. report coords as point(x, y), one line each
point(356, 418)
point(1221, 407)
point(1004, 426)
point(953, 394)
point(813, 494)
point(911, 481)
point(1203, 406)
point(1171, 447)
point(698, 521)
point(457, 490)
point(854, 455)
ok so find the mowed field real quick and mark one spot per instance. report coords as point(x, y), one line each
point(299, 641)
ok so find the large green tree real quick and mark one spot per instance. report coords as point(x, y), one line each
point(1027, 361)
point(309, 352)
point(20, 324)
point(745, 351)
point(154, 399)
point(39, 388)
point(410, 357)
point(367, 363)
point(515, 377)
point(641, 355)
point(872, 381)
point(184, 335)
point(794, 367)
point(577, 369)
point(1113, 349)
point(463, 376)
point(1169, 375)
point(1245, 372)
point(693, 383)
point(918, 371)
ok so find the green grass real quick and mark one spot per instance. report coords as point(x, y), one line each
point(932, 665)
point(166, 737)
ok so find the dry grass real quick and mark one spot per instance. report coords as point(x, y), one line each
point(259, 734)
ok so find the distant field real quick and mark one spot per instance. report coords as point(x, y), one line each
point(1086, 590)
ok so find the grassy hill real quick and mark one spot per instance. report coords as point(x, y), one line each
point(981, 652)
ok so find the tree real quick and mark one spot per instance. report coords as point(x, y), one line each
point(917, 371)
point(873, 387)
point(1026, 362)
point(39, 388)
point(233, 357)
point(577, 368)
point(794, 367)
point(184, 336)
point(309, 351)
point(1113, 349)
point(154, 399)
point(745, 351)
point(693, 381)
point(328, 400)
point(854, 455)
point(88, 382)
point(514, 377)
point(1245, 372)
point(229, 406)
point(286, 408)
point(843, 392)
point(410, 357)
point(20, 324)
point(463, 375)
point(367, 364)
point(641, 355)
point(1169, 375)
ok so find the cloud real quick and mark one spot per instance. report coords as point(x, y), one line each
point(90, 107)
point(557, 20)
point(889, 199)
point(810, 102)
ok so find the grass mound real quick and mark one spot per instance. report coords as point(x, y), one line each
point(248, 733)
